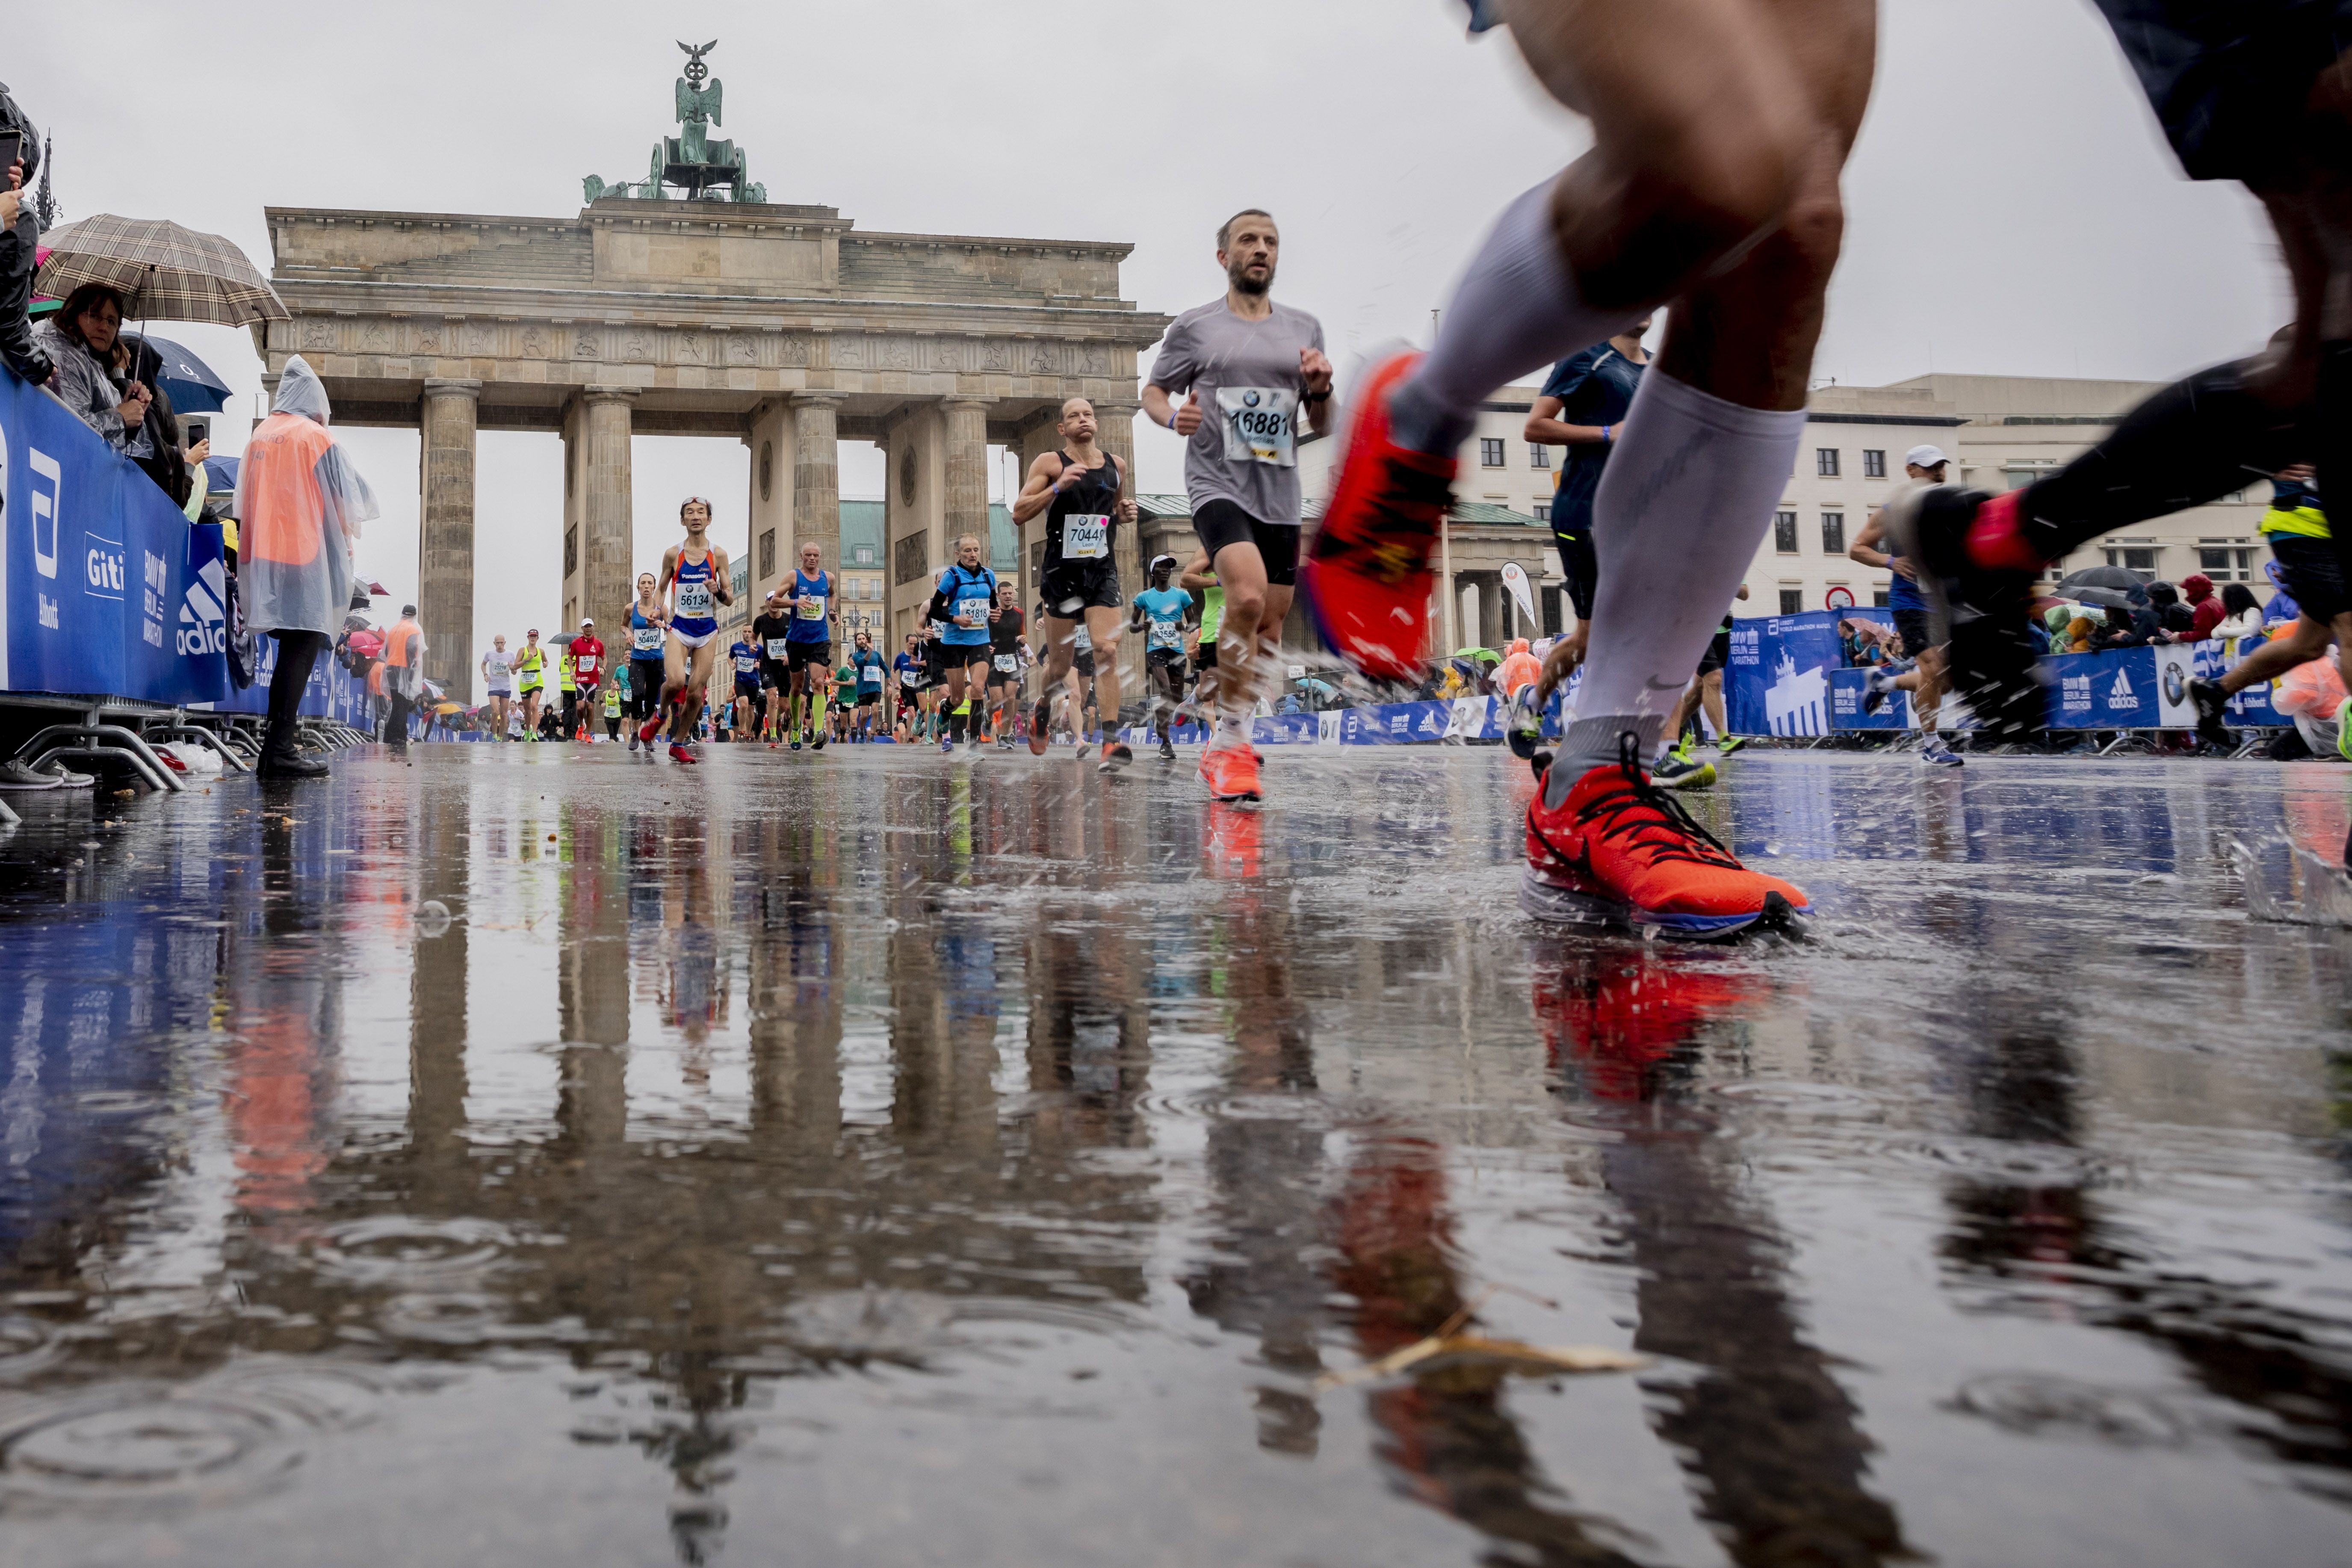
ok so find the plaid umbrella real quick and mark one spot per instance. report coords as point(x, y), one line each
point(164, 271)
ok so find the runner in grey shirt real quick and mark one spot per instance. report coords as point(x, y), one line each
point(1250, 371)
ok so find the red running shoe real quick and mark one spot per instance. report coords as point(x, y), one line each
point(1366, 580)
point(1618, 850)
point(1230, 771)
point(678, 754)
point(648, 730)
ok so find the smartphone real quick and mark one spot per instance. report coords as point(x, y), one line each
point(193, 428)
point(12, 147)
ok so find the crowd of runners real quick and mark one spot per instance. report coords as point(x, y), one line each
point(1711, 194)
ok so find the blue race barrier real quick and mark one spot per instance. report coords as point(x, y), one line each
point(2126, 689)
point(105, 589)
point(1778, 681)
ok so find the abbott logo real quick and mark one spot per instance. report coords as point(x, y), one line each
point(204, 618)
point(45, 507)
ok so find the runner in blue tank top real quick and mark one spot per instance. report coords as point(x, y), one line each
point(694, 576)
point(808, 646)
point(649, 629)
point(964, 605)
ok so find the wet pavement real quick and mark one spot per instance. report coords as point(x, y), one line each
point(869, 1159)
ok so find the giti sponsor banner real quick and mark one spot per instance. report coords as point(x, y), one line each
point(99, 573)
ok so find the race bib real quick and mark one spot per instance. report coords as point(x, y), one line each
point(1085, 536)
point(813, 607)
point(646, 639)
point(907, 678)
point(1009, 664)
point(747, 664)
point(778, 648)
point(694, 601)
point(1166, 634)
point(870, 675)
point(971, 614)
point(1258, 425)
point(585, 663)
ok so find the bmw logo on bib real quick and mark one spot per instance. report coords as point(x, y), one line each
point(1249, 400)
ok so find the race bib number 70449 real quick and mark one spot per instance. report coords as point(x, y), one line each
point(1259, 425)
point(1085, 536)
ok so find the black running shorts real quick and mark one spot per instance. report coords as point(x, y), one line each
point(2229, 78)
point(2313, 575)
point(799, 656)
point(747, 686)
point(1916, 631)
point(1084, 663)
point(1166, 658)
point(1208, 658)
point(774, 673)
point(1071, 588)
point(1220, 522)
point(1581, 566)
point(1717, 655)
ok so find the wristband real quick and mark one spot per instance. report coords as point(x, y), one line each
point(1322, 397)
point(1606, 439)
point(1172, 419)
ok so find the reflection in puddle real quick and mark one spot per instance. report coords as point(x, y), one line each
point(850, 1152)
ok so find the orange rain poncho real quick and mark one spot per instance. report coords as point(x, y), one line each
point(299, 503)
point(1519, 668)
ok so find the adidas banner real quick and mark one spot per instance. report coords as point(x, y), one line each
point(105, 589)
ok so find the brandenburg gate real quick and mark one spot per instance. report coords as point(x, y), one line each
point(781, 325)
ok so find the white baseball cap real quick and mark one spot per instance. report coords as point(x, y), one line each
point(1924, 457)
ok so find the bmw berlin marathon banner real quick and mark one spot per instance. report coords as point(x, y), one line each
point(105, 588)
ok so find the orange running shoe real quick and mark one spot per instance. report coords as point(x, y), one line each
point(1366, 580)
point(1230, 771)
point(1618, 850)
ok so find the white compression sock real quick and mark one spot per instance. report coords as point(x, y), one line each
point(1685, 499)
point(1515, 311)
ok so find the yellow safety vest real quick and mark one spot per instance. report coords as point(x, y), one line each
point(2304, 521)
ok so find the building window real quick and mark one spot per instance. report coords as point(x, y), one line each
point(1784, 533)
point(1873, 463)
point(2226, 565)
point(1825, 462)
point(768, 552)
point(1543, 512)
point(1879, 598)
point(571, 550)
point(2134, 560)
point(2023, 471)
point(1833, 533)
point(1792, 601)
point(864, 556)
point(1490, 452)
point(1538, 456)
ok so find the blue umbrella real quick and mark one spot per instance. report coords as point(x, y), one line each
point(220, 475)
point(188, 381)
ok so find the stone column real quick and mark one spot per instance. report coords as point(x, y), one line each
point(967, 473)
point(607, 528)
point(816, 481)
point(771, 534)
point(444, 543)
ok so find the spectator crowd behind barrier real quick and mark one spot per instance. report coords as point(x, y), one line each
point(106, 588)
point(1789, 677)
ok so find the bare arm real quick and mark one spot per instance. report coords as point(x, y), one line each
point(1196, 572)
point(1865, 551)
point(1546, 428)
point(1037, 494)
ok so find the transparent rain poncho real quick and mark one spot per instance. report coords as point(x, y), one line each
point(299, 506)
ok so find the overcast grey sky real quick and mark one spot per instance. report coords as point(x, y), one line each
point(2012, 207)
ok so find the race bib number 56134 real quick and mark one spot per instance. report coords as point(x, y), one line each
point(1259, 425)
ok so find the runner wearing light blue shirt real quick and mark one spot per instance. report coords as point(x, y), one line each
point(1161, 612)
